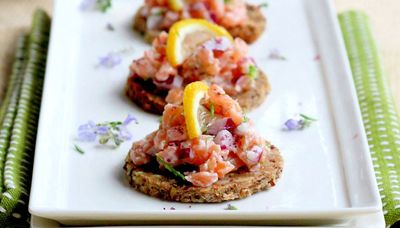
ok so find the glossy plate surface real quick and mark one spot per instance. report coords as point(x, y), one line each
point(327, 176)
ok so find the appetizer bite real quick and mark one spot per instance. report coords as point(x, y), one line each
point(195, 50)
point(205, 150)
point(239, 18)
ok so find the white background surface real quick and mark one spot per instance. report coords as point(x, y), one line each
point(319, 173)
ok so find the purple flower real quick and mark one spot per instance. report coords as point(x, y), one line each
point(102, 130)
point(87, 5)
point(110, 60)
point(299, 124)
point(87, 132)
point(129, 119)
point(292, 124)
point(115, 131)
point(124, 133)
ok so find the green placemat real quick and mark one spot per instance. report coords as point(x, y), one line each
point(18, 123)
point(19, 113)
point(381, 121)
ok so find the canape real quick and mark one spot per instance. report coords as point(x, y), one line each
point(195, 50)
point(205, 150)
point(238, 17)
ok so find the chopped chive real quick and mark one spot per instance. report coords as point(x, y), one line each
point(245, 119)
point(212, 110)
point(306, 121)
point(103, 5)
point(307, 117)
point(159, 12)
point(252, 72)
point(231, 207)
point(79, 149)
point(170, 168)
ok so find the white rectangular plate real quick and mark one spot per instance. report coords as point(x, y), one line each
point(327, 175)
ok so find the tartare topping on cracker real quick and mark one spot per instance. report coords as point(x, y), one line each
point(225, 13)
point(218, 60)
point(212, 145)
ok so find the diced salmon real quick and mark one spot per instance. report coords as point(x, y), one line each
point(217, 165)
point(175, 96)
point(202, 179)
point(202, 148)
point(225, 105)
point(138, 154)
point(176, 133)
point(173, 116)
point(235, 13)
point(170, 155)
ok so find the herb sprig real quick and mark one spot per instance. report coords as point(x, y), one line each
point(79, 149)
point(230, 207)
point(115, 131)
point(170, 168)
point(252, 72)
point(101, 5)
point(212, 110)
point(299, 124)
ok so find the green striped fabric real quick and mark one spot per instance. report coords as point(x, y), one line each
point(381, 121)
point(18, 130)
point(10, 104)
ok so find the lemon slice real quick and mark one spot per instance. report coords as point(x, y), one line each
point(176, 5)
point(184, 36)
point(192, 96)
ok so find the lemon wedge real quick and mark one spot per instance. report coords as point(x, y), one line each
point(176, 5)
point(184, 36)
point(192, 96)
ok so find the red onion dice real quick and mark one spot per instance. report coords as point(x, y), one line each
point(243, 129)
point(170, 83)
point(218, 125)
point(153, 21)
point(254, 155)
point(225, 139)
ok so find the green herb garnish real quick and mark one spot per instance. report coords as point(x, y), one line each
point(306, 121)
point(245, 119)
point(158, 12)
point(103, 5)
point(252, 72)
point(79, 149)
point(263, 5)
point(212, 110)
point(307, 117)
point(231, 207)
point(170, 168)
point(114, 126)
point(227, 1)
